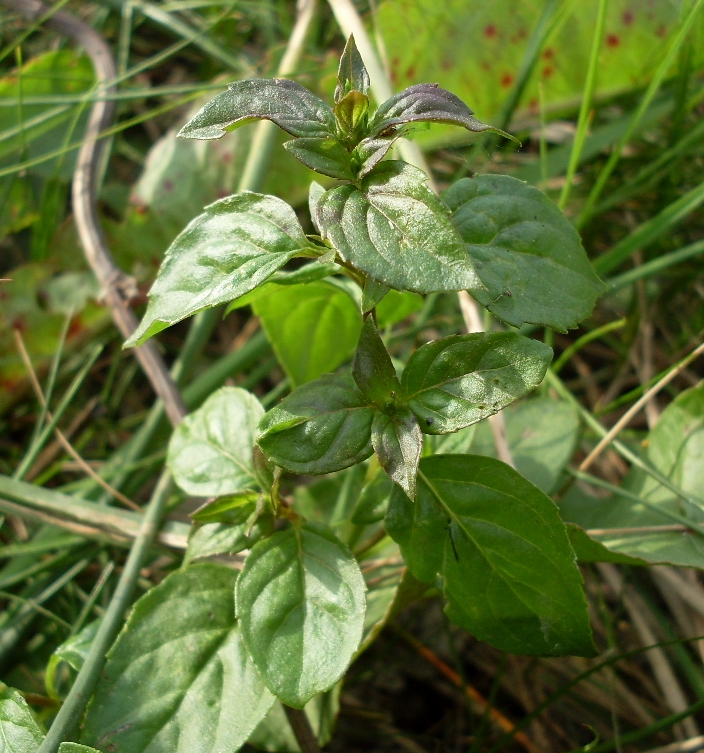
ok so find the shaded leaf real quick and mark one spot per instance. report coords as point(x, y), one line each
point(235, 245)
point(19, 733)
point(288, 104)
point(461, 379)
point(326, 156)
point(508, 569)
point(178, 679)
point(300, 599)
point(372, 294)
point(528, 256)
point(321, 427)
point(425, 103)
point(372, 368)
point(396, 230)
point(373, 500)
point(397, 442)
point(210, 452)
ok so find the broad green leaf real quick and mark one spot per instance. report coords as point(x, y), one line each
point(373, 500)
point(457, 443)
point(326, 156)
point(395, 229)
point(675, 447)
point(397, 442)
point(508, 569)
point(321, 427)
point(318, 332)
point(372, 368)
point(300, 600)
point(242, 531)
point(591, 550)
point(76, 748)
point(210, 452)
point(542, 435)
point(461, 379)
point(274, 732)
point(19, 733)
point(528, 256)
point(225, 509)
point(352, 73)
point(178, 679)
point(288, 104)
point(235, 245)
point(425, 103)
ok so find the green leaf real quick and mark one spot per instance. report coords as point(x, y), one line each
point(288, 104)
point(373, 500)
point(459, 380)
point(326, 156)
point(235, 245)
point(509, 571)
point(591, 550)
point(425, 103)
point(321, 427)
point(179, 679)
point(372, 368)
point(210, 452)
point(372, 294)
point(300, 600)
point(396, 230)
point(76, 748)
point(319, 331)
point(75, 649)
point(352, 74)
point(528, 256)
point(245, 527)
point(398, 441)
point(351, 114)
point(19, 733)
point(369, 153)
point(225, 509)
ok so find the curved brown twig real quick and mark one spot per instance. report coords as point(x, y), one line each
point(114, 283)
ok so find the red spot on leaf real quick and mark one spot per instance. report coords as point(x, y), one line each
point(628, 18)
point(662, 31)
point(490, 31)
point(446, 65)
point(506, 80)
point(168, 185)
point(522, 34)
point(612, 40)
point(548, 71)
point(533, 105)
point(411, 72)
point(19, 324)
point(548, 54)
point(227, 157)
point(486, 66)
point(75, 328)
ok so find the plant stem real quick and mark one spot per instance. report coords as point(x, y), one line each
point(301, 728)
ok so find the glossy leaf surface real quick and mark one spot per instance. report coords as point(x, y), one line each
point(236, 244)
point(19, 733)
point(288, 104)
point(351, 74)
point(509, 571)
point(210, 452)
point(321, 427)
point(396, 230)
point(372, 368)
point(461, 379)
point(425, 103)
point(526, 253)
point(326, 156)
point(397, 442)
point(178, 679)
point(300, 599)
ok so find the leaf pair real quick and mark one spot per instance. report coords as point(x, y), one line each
point(343, 141)
point(340, 419)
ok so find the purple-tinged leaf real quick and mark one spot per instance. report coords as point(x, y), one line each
point(326, 156)
point(352, 74)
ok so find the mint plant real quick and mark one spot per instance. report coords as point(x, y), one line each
point(470, 525)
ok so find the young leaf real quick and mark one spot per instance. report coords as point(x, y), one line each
point(288, 104)
point(321, 427)
point(372, 294)
point(19, 733)
point(326, 156)
point(425, 103)
point(235, 245)
point(508, 569)
point(210, 452)
point(397, 441)
point(461, 379)
point(372, 368)
point(396, 230)
point(369, 153)
point(179, 679)
point(300, 600)
point(528, 256)
point(352, 74)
